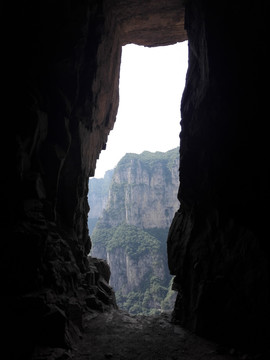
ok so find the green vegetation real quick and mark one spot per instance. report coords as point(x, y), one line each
point(155, 294)
point(142, 252)
point(134, 240)
point(155, 299)
point(91, 224)
point(161, 235)
point(102, 235)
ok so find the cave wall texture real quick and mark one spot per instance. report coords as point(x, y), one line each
point(218, 242)
point(61, 62)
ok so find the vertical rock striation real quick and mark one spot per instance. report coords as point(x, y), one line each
point(132, 230)
point(143, 190)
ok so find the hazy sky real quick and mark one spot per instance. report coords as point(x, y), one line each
point(151, 85)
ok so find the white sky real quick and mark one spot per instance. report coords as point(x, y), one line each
point(151, 86)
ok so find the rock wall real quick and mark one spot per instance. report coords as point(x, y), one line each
point(143, 190)
point(61, 62)
point(217, 247)
point(55, 137)
point(129, 273)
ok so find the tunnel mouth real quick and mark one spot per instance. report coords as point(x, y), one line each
point(123, 218)
point(63, 100)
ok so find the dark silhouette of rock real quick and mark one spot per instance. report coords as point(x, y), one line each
point(217, 246)
point(61, 64)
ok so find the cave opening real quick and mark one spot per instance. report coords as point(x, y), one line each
point(138, 174)
point(58, 119)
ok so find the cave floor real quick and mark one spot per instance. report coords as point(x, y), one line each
point(119, 335)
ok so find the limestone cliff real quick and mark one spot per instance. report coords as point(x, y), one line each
point(131, 233)
point(143, 183)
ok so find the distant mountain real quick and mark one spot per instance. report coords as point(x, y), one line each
point(132, 230)
point(97, 197)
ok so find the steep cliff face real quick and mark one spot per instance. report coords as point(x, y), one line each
point(141, 184)
point(131, 233)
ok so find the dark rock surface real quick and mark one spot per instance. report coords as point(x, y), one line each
point(120, 336)
point(61, 64)
point(218, 245)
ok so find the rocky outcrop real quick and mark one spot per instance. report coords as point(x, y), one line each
point(132, 231)
point(217, 247)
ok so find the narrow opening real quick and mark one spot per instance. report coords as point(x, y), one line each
point(133, 195)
